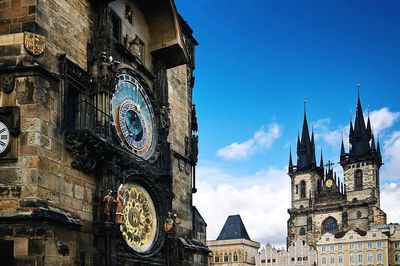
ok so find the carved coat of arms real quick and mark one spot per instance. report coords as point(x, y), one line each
point(34, 43)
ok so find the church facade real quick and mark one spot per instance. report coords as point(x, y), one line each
point(321, 202)
point(98, 134)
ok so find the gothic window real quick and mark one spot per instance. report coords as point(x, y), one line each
point(235, 257)
point(329, 225)
point(358, 214)
point(226, 258)
point(302, 189)
point(302, 231)
point(216, 258)
point(358, 179)
point(116, 26)
point(297, 189)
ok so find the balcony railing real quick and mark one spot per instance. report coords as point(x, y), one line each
point(84, 115)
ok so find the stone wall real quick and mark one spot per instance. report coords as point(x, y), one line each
point(43, 169)
point(369, 170)
point(180, 105)
point(310, 179)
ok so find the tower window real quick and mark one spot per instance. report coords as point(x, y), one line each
point(116, 26)
point(302, 189)
point(358, 214)
point(302, 231)
point(358, 180)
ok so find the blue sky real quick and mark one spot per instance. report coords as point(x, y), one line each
point(255, 64)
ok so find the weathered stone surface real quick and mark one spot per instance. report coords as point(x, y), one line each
point(20, 246)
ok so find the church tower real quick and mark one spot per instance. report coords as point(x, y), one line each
point(321, 202)
point(361, 165)
point(305, 177)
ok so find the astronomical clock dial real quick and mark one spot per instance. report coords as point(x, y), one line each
point(133, 117)
point(4, 138)
point(328, 183)
point(139, 225)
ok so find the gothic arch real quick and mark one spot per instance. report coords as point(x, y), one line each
point(358, 179)
point(302, 231)
point(329, 225)
point(235, 257)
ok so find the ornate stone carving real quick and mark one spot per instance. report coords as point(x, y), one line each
point(34, 43)
point(82, 146)
point(195, 126)
point(136, 48)
point(107, 73)
point(194, 144)
point(165, 112)
point(108, 202)
point(7, 83)
point(62, 248)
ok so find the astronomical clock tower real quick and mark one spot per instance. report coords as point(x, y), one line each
point(98, 134)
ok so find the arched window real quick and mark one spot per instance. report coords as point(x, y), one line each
point(216, 258)
point(302, 231)
point(302, 189)
point(358, 214)
point(329, 225)
point(358, 179)
point(226, 257)
point(235, 257)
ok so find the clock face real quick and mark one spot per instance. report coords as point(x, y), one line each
point(329, 183)
point(133, 117)
point(4, 137)
point(139, 225)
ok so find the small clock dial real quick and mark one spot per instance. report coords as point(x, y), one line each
point(139, 225)
point(133, 117)
point(4, 137)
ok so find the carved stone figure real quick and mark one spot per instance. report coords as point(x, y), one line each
point(108, 201)
point(7, 83)
point(169, 223)
point(135, 47)
point(119, 217)
point(165, 121)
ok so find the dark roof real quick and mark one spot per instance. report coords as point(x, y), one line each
point(233, 229)
point(357, 230)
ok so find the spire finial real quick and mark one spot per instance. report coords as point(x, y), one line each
point(358, 89)
point(305, 105)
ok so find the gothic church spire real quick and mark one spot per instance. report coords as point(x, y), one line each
point(306, 147)
point(360, 136)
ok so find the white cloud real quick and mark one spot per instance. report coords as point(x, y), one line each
point(260, 141)
point(261, 200)
point(391, 152)
point(382, 119)
point(331, 137)
point(390, 198)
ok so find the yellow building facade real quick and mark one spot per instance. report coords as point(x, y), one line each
point(354, 247)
